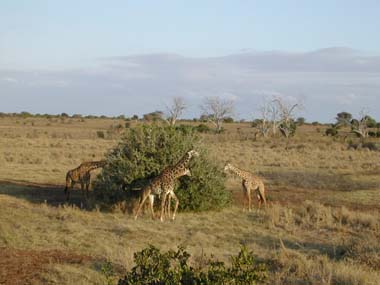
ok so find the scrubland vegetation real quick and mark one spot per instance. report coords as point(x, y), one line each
point(322, 225)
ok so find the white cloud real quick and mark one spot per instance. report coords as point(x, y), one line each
point(347, 99)
point(9, 79)
point(328, 79)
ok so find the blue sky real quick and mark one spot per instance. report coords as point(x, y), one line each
point(46, 33)
point(67, 36)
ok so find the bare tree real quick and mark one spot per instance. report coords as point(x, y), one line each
point(360, 127)
point(286, 112)
point(175, 110)
point(217, 109)
point(264, 123)
point(274, 116)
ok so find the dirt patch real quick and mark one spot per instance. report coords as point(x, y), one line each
point(25, 266)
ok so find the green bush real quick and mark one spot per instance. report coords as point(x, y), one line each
point(203, 128)
point(331, 132)
point(372, 134)
point(301, 121)
point(288, 129)
point(186, 129)
point(154, 267)
point(228, 120)
point(100, 134)
point(145, 151)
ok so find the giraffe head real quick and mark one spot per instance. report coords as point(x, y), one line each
point(192, 153)
point(187, 172)
point(227, 167)
point(182, 172)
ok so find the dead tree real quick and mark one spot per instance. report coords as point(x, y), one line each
point(175, 110)
point(286, 110)
point(360, 127)
point(217, 109)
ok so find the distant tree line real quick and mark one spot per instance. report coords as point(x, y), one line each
point(276, 116)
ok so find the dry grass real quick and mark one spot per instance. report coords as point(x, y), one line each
point(333, 238)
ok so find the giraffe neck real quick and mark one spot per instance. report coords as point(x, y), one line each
point(236, 171)
point(184, 161)
point(95, 164)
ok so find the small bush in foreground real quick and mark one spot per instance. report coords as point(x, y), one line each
point(172, 267)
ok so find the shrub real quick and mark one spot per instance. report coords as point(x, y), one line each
point(186, 129)
point(154, 267)
point(256, 123)
point(371, 122)
point(143, 153)
point(100, 134)
point(301, 121)
point(153, 116)
point(203, 128)
point(331, 132)
point(372, 134)
point(228, 120)
point(288, 129)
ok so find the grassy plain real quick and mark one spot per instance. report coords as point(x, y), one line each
point(322, 225)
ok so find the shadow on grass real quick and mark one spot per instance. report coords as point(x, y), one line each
point(52, 195)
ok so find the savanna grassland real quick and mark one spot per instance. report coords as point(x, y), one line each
point(322, 225)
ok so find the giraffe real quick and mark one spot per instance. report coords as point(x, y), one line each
point(150, 192)
point(164, 184)
point(250, 183)
point(81, 175)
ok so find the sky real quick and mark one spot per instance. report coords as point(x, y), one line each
point(123, 57)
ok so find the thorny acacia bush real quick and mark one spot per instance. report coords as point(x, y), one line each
point(145, 151)
point(172, 267)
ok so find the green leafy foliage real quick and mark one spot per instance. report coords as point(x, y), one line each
point(100, 134)
point(145, 151)
point(301, 121)
point(108, 272)
point(203, 128)
point(172, 267)
point(331, 131)
point(288, 128)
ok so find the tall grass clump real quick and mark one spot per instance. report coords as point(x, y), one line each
point(145, 151)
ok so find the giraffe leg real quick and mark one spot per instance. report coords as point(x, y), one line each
point(176, 204)
point(87, 189)
point(248, 194)
point(144, 196)
point(69, 189)
point(169, 206)
point(164, 195)
point(151, 202)
point(245, 195)
point(262, 194)
point(249, 200)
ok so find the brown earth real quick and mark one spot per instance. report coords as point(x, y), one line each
point(25, 266)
